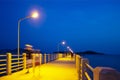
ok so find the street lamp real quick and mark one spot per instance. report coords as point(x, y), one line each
point(70, 49)
point(63, 43)
point(34, 15)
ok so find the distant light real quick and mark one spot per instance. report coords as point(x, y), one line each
point(63, 42)
point(35, 14)
point(68, 47)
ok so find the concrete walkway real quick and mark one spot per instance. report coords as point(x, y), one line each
point(62, 69)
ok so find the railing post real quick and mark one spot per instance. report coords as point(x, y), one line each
point(45, 58)
point(84, 61)
point(56, 56)
point(60, 55)
point(49, 57)
point(81, 68)
point(53, 56)
point(24, 60)
point(78, 67)
point(8, 63)
point(40, 59)
point(77, 62)
point(74, 57)
point(33, 60)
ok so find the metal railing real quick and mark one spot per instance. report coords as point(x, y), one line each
point(3, 64)
point(87, 72)
point(83, 68)
point(15, 65)
point(9, 63)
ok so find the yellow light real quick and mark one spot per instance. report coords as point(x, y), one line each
point(35, 15)
point(37, 55)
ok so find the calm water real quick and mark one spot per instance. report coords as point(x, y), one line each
point(104, 61)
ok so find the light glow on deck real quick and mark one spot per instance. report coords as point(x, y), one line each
point(61, 69)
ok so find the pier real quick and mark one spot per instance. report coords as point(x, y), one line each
point(53, 67)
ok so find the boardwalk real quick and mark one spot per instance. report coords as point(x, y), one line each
point(62, 69)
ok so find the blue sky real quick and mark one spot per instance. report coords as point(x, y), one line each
point(83, 24)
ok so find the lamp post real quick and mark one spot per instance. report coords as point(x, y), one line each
point(63, 43)
point(70, 49)
point(34, 15)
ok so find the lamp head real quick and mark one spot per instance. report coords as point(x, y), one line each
point(63, 42)
point(35, 14)
point(68, 47)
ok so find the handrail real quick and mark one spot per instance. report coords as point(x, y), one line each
point(17, 62)
point(16, 55)
point(14, 59)
point(14, 66)
point(2, 60)
point(16, 69)
point(20, 58)
point(90, 67)
point(2, 68)
point(47, 54)
point(2, 55)
point(11, 62)
point(2, 72)
point(20, 67)
point(87, 76)
point(17, 58)
point(82, 65)
point(2, 64)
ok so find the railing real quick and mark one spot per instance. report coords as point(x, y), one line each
point(3, 64)
point(9, 63)
point(15, 65)
point(98, 73)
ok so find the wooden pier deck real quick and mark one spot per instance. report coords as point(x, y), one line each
point(61, 69)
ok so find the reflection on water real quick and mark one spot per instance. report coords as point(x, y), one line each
point(104, 61)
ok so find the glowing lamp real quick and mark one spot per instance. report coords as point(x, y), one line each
point(35, 15)
point(63, 42)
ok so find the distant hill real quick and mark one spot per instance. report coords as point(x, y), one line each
point(13, 51)
point(89, 52)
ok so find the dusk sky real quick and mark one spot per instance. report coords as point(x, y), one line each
point(83, 24)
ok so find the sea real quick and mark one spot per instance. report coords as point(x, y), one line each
point(105, 60)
